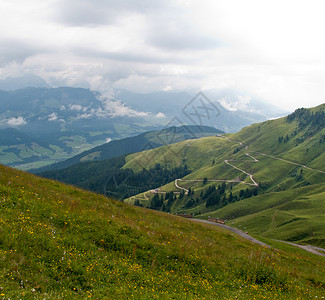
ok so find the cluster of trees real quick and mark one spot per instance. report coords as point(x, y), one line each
point(126, 183)
point(171, 197)
point(322, 139)
point(212, 195)
point(283, 139)
point(218, 196)
point(306, 118)
point(243, 194)
point(299, 176)
point(237, 150)
point(157, 201)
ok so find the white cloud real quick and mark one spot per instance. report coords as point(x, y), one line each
point(237, 103)
point(16, 121)
point(76, 107)
point(160, 115)
point(110, 108)
point(271, 49)
point(85, 116)
point(52, 117)
point(118, 109)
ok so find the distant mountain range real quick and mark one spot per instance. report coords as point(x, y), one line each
point(192, 109)
point(64, 122)
point(22, 82)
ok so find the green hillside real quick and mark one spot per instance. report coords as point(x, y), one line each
point(17, 148)
point(58, 242)
point(296, 215)
point(141, 142)
point(265, 162)
point(285, 158)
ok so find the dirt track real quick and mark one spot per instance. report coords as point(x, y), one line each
point(235, 230)
point(315, 250)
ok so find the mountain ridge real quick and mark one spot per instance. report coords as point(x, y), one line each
point(75, 119)
point(141, 142)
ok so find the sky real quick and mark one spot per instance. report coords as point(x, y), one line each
point(274, 50)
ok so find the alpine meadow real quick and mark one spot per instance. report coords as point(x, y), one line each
point(58, 241)
point(162, 149)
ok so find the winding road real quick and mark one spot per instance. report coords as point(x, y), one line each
point(248, 174)
point(316, 250)
point(235, 230)
point(228, 162)
point(312, 249)
point(290, 162)
point(272, 156)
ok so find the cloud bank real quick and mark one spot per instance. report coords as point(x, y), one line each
point(16, 121)
point(274, 50)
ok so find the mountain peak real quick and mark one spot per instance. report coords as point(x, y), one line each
point(27, 80)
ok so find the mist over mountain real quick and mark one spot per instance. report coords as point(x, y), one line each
point(162, 149)
point(17, 83)
point(68, 121)
point(230, 110)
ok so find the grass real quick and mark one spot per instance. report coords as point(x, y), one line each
point(274, 212)
point(295, 215)
point(59, 242)
point(26, 156)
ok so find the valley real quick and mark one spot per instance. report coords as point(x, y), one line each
point(264, 184)
point(162, 150)
point(53, 125)
point(269, 165)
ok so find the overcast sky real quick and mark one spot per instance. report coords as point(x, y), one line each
point(271, 49)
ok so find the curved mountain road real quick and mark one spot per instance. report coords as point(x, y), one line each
point(235, 230)
point(271, 156)
point(290, 162)
point(211, 180)
point(248, 174)
point(315, 250)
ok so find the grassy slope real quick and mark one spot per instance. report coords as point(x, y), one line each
point(60, 242)
point(261, 137)
point(274, 175)
point(293, 215)
point(195, 153)
point(148, 140)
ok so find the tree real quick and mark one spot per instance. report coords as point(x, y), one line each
point(137, 203)
point(231, 197)
point(181, 195)
point(156, 202)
